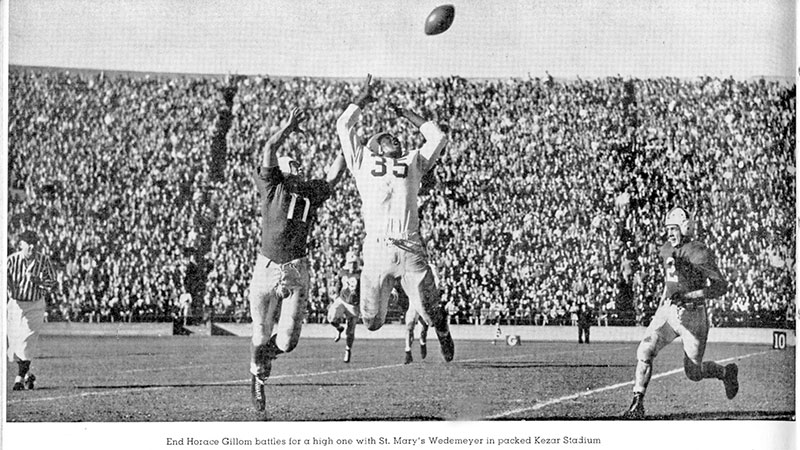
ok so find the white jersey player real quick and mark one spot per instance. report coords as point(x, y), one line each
point(388, 180)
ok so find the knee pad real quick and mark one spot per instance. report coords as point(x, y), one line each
point(372, 323)
point(284, 342)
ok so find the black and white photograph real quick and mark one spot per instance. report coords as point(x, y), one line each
point(399, 224)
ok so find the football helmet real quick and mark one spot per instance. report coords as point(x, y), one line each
point(680, 218)
point(374, 144)
point(288, 165)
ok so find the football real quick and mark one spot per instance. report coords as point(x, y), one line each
point(439, 20)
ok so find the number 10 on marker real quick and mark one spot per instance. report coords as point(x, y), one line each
point(779, 340)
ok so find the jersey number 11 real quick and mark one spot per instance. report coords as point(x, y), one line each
point(292, 205)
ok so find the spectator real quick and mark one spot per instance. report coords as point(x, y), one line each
point(584, 209)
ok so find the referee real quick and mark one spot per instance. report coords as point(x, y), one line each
point(30, 277)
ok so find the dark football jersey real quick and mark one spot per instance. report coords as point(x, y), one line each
point(288, 211)
point(688, 267)
point(351, 286)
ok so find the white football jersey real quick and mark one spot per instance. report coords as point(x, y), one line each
point(388, 187)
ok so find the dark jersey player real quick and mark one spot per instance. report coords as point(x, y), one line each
point(280, 282)
point(690, 277)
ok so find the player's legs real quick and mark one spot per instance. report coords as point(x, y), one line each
point(335, 313)
point(423, 338)
point(336, 317)
point(411, 322)
point(264, 308)
point(351, 331)
point(381, 268)
point(423, 295)
point(24, 323)
point(693, 329)
point(657, 336)
point(375, 292)
point(295, 280)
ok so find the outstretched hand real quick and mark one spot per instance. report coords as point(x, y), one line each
point(365, 96)
point(296, 117)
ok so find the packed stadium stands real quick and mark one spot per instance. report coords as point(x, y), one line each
point(550, 192)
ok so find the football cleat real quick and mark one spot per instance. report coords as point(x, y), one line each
point(448, 348)
point(423, 351)
point(29, 379)
point(346, 356)
point(731, 380)
point(636, 410)
point(18, 386)
point(409, 358)
point(257, 391)
point(339, 331)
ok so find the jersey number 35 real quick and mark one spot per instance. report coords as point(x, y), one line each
point(399, 169)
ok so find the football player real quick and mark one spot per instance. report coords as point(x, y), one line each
point(280, 282)
point(388, 181)
point(691, 276)
point(344, 308)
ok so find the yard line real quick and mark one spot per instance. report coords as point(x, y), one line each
point(219, 383)
point(363, 369)
point(284, 376)
point(558, 400)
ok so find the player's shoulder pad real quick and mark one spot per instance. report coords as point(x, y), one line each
point(697, 252)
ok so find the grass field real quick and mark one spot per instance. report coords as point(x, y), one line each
point(196, 379)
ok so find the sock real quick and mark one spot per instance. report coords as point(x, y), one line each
point(710, 369)
point(23, 367)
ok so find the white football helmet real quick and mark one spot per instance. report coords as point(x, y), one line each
point(374, 145)
point(288, 165)
point(680, 218)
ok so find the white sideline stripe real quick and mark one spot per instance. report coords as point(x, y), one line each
point(555, 401)
point(220, 383)
point(113, 391)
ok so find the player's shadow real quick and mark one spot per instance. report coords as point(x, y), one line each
point(530, 365)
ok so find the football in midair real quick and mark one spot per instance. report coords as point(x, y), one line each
point(439, 20)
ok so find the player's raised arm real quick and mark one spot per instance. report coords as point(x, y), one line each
point(335, 170)
point(435, 139)
point(345, 125)
point(270, 157)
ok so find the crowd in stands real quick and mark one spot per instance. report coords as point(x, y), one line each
point(550, 192)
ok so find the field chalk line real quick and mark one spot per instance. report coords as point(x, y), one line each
point(232, 382)
point(558, 400)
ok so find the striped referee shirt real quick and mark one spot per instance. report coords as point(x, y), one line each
point(21, 270)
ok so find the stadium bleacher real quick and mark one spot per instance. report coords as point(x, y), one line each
point(563, 183)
